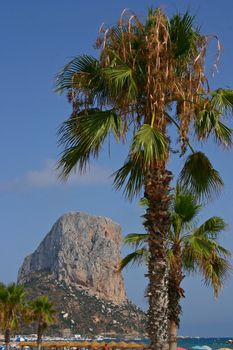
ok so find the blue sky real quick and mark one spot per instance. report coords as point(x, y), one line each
point(36, 39)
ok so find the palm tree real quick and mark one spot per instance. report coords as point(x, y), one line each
point(11, 308)
point(191, 248)
point(143, 72)
point(42, 312)
point(2, 288)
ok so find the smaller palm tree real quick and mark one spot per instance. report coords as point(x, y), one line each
point(190, 248)
point(42, 312)
point(11, 308)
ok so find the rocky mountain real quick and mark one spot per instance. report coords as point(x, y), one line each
point(83, 251)
point(76, 266)
point(78, 312)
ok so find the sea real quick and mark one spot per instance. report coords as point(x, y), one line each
point(196, 343)
point(213, 343)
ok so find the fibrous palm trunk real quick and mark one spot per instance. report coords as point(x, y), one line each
point(157, 224)
point(175, 292)
point(39, 336)
point(172, 335)
point(7, 338)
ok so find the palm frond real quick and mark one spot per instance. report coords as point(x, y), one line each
point(194, 251)
point(223, 100)
point(223, 134)
point(182, 34)
point(82, 137)
point(197, 246)
point(120, 78)
point(42, 311)
point(215, 272)
point(199, 177)
point(143, 202)
point(185, 205)
point(211, 228)
point(67, 77)
point(189, 260)
point(220, 250)
point(170, 256)
point(137, 257)
point(135, 239)
point(208, 122)
point(130, 177)
point(148, 146)
point(203, 252)
point(150, 142)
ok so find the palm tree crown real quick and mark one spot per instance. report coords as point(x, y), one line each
point(42, 312)
point(191, 248)
point(142, 71)
point(11, 308)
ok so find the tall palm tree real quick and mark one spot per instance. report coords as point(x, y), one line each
point(42, 312)
point(11, 308)
point(191, 248)
point(144, 72)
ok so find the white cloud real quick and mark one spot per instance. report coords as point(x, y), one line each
point(48, 177)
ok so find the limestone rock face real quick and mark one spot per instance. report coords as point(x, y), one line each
point(83, 252)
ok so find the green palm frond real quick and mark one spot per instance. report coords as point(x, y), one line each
point(194, 249)
point(223, 100)
point(67, 78)
point(42, 309)
point(16, 294)
point(203, 252)
point(197, 246)
point(199, 177)
point(185, 205)
point(82, 137)
point(182, 34)
point(148, 146)
point(151, 142)
point(2, 287)
point(120, 79)
point(150, 19)
point(223, 134)
point(131, 177)
point(14, 323)
point(220, 250)
point(139, 256)
point(189, 259)
point(12, 303)
point(143, 202)
point(170, 256)
point(135, 239)
point(215, 272)
point(211, 228)
point(208, 122)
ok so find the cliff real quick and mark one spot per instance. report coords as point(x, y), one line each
point(76, 266)
point(83, 251)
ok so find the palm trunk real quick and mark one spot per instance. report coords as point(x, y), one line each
point(172, 335)
point(7, 338)
point(175, 292)
point(157, 223)
point(39, 336)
